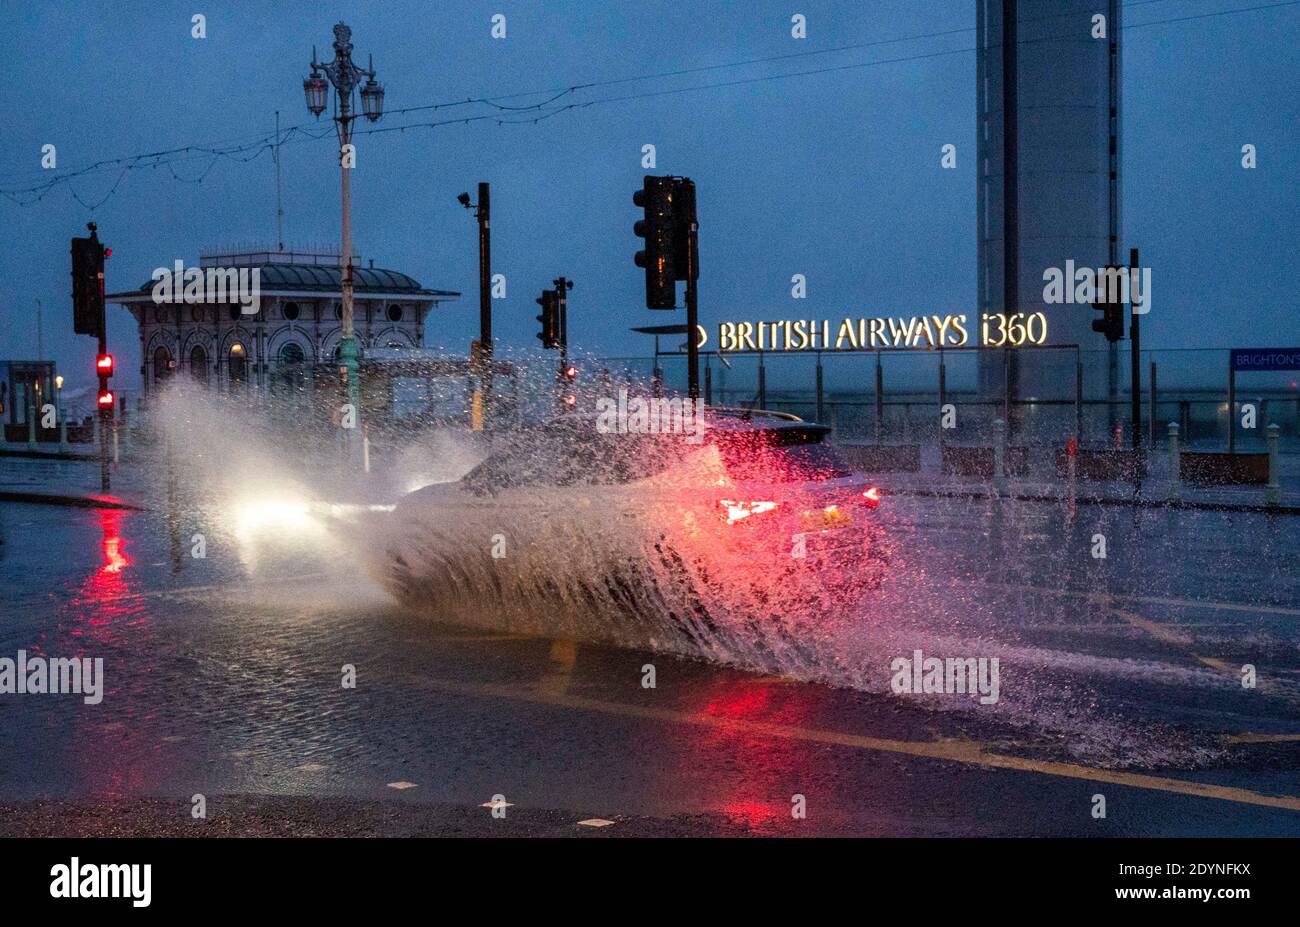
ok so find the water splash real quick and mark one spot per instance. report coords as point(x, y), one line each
point(659, 563)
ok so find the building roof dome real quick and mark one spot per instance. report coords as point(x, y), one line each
point(310, 272)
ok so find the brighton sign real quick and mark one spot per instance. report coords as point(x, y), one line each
point(993, 330)
point(1266, 358)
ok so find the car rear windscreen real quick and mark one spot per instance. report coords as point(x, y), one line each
point(787, 455)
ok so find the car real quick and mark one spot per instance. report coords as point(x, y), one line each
point(754, 530)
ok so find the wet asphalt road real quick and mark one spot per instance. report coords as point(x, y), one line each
point(1121, 679)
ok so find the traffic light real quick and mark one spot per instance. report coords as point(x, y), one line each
point(87, 285)
point(1111, 324)
point(549, 319)
point(106, 399)
point(104, 365)
point(569, 375)
point(562, 287)
point(683, 220)
point(661, 251)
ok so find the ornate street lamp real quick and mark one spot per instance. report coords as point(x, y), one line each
point(317, 92)
point(372, 100)
point(345, 76)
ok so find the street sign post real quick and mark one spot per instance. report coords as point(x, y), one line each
point(1254, 360)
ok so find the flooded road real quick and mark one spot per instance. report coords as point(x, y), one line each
point(1119, 676)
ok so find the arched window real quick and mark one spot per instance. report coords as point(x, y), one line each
point(199, 364)
point(290, 372)
point(238, 363)
point(162, 364)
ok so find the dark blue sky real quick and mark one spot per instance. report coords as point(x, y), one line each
point(834, 175)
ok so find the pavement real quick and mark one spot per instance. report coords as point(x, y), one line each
point(1042, 484)
point(51, 478)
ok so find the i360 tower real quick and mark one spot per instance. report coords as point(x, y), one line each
point(1048, 104)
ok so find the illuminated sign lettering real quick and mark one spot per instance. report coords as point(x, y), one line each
point(995, 330)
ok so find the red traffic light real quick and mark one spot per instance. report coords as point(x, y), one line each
point(106, 398)
point(104, 365)
point(108, 252)
point(570, 371)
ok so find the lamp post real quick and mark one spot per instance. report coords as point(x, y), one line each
point(345, 78)
point(58, 406)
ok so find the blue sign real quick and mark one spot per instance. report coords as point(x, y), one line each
point(1266, 358)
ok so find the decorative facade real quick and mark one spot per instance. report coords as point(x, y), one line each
point(294, 334)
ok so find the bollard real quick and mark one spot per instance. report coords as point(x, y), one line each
point(999, 455)
point(1174, 488)
point(475, 411)
point(1273, 492)
point(1071, 470)
point(880, 397)
point(365, 447)
point(821, 393)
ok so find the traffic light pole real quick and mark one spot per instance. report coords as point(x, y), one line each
point(692, 315)
point(484, 215)
point(562, 304)
point(562, 325)
point(1135, 372)
point(672, 254)
point(105, 411)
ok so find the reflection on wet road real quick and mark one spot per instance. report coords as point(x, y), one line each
point(1120, 676)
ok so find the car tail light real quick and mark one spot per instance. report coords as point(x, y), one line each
point(871, 495)
point(732, 512)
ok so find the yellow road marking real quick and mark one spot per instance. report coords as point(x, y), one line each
point(1155, 629)
point(489, 636)
point(559, 673)
point(1249, 738)
point(1222, 666)
point(1152, 599)
point(958, 751)
point(1169, 635)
